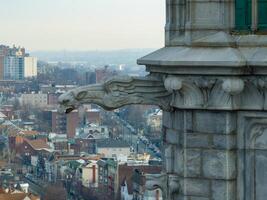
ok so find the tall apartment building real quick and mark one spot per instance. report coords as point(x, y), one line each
point(15, 64)
point(13, 68)
point(1, 67)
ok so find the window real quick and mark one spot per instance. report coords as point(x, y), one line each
point(251, 15)
point(262, 15)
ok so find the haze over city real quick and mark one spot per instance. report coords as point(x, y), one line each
point(118, 100)
point(83, 24)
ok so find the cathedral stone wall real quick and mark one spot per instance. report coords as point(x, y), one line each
point(217, 155)
point(200, 148)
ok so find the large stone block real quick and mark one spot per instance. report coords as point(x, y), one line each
point(168, 119)
point(198, 140)
point(169, 158)
point(193, 163)
point(219, 164)
point(214, 122)
point(172, 136)
point(224, 142)
point(196, 187)
point(179, 161)
point(223, 190)
point(183, 120)
point(178, 120)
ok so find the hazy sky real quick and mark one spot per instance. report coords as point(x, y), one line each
point(82, 24)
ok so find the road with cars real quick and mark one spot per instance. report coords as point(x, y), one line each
point(139, 143)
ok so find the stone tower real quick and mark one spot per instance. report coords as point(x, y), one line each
point(211, 81)
point(216, 136)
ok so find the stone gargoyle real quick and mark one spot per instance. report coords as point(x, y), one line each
point(117, 92)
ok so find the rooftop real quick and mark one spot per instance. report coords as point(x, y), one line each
point(110, 143)
point(38, 144)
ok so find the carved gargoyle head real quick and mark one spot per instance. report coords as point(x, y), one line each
point(67, 102)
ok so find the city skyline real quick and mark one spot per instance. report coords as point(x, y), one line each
point(83, 25)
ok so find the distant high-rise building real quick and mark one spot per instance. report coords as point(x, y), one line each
point(13, 68)
point(1, 67)
point(15, 64)
point(30, 67)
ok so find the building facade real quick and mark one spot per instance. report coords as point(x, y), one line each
point(13, 68)
point(62, 124)
point(30, 67)
point(15, 64)
point(38, 100)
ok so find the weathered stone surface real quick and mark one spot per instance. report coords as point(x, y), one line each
point(196, 187)
point(169, 158)
point(219, 164)
point(223, 190)
point(188, 121)
point(117, 92)
point(167, 119)
point(214, 122)
point(198, 140)
point(172, 136)
point(179, 120)
point(199, 198)
point(180, 197)
point(224, 141)
point(179, 161)
point(193, 163)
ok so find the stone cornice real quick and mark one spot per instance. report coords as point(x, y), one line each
point(219, 93)
point(168, 92)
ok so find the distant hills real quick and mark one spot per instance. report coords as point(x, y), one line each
point(100, 58)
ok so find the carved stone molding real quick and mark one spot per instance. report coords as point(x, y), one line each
point(252, 160)
point(220, 93)
point(233, 86)
point(118, 92)
point(182, 92)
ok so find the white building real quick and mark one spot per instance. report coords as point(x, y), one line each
point(34, 99)
point(90, 174)
point(30, 67)
point(113, 148)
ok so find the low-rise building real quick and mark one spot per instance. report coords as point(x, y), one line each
point(30, 148)
point(93, 131)
point(64, 124)
point(110, 148)
point(38, 100)
point(89, 174)
point(93, 116)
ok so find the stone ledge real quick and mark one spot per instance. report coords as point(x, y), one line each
point(207, 60)
point(194, 56)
